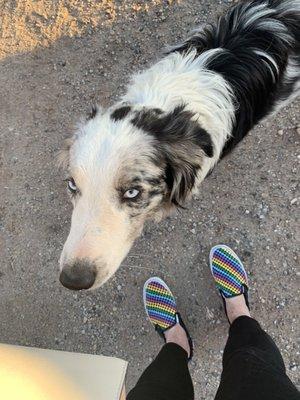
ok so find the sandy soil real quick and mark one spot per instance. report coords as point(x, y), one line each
point(27, 25)
point(56, 59)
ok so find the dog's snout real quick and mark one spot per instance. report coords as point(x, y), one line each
point(79, 275)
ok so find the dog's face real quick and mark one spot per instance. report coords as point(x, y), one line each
point(119, 175)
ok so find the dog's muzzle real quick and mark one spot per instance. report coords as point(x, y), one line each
point(78, 275)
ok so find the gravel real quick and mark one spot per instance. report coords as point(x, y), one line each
point(250, 202)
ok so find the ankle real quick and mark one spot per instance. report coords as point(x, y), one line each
point(236, 307)
point(177, 335)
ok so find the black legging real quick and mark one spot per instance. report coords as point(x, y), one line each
point(253, 368)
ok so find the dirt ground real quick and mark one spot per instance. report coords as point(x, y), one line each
point(57, 58)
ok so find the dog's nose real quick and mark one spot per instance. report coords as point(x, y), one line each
point(79, 275)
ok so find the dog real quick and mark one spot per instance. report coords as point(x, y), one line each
point(147, 154)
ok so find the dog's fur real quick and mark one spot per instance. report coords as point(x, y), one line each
point(177, 119)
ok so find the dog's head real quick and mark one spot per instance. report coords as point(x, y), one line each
point(125, 166)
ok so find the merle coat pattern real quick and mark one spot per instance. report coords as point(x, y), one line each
point(147, 154)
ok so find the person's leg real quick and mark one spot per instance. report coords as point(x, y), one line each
point(167, 377)
point(246, 333)
point(253, 367)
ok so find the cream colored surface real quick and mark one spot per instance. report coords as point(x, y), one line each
point(35, 374)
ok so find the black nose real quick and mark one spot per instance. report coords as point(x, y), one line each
point(80, 274)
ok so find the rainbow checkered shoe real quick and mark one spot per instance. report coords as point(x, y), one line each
point(160, 306)
point(229, 273)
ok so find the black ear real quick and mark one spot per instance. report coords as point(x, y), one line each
point(180, 181)
point(94, 111)
point(182, 145)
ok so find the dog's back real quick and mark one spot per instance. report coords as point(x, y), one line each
point(259, 57)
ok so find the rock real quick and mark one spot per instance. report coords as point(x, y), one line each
point(209, 314)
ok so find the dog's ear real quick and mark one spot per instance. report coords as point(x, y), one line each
point(182, 144)
point(180, 176)
point(94, 111)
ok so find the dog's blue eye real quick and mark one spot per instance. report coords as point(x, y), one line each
point(72, 186)
point(131, 193)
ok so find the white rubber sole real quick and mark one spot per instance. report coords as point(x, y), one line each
point(154, 279)
point(228, 249)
